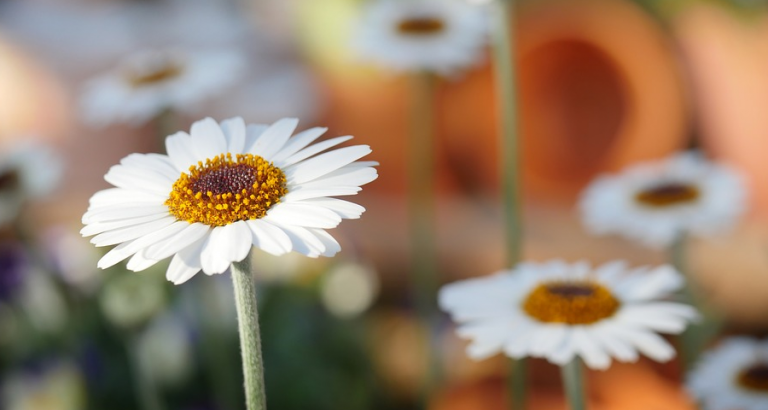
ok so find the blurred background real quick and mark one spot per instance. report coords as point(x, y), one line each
point(603, 84)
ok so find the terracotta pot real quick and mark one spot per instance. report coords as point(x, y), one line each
point(600, 87)
point(727, 55)
point(623, 386)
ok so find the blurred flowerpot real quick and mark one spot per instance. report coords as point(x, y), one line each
point(600, 87)
point(727, 55)
point(32, 102)
point(623, 386)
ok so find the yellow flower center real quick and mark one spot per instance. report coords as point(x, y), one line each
point(754, 378)
point(164, 72)
point(421, 26)
point(668, 194)
point(573, 303)
point(223, 191)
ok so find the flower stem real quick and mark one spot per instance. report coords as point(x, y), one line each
point(422, 209)
point(696, 335)
point(574, 384)
point(250, 338)
point(505, 78)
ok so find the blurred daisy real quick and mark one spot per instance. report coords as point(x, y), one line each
point(28, 170)
point(222, 189)
point(147, 83)
point(433, 35)
point(734, 375)
point(55, 385)
point(559, 311)
point(655, 202)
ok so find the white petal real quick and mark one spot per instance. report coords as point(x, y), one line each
point(591, 351)
point(207, 139)
point(126, 249)
point(312, 150)
point(269, 238)
point(116, 196)
point(649, 343)
point(548, 339)
point(131, 232)
point(117, 212)
point(302, 194)
point(298, 142)
point(301, 214)
point(330, 161)
point(344, 177)
point(176, 243)
point(179, 148)
point(234, 132)
point(186, 263)
point(332, 247)
point(253, 133)
point(614, 344)
point(160, 164)
point(139, 262)
point(345, 209)
point(659, 282)
point(274, 138)
point(99, 227)
point(138, 179)
point(226, 244)
point(304, 242)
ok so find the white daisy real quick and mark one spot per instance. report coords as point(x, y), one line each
point(222, 189)
point(655, 202)
point(559, 311)
point(147, 83)
point(433, 35)
point(732, 376)
point(28, 170)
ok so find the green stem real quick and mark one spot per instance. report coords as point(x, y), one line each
point(505, 78)
point(165, 123)
point(144, 384)
point(250, 338)
point(421, 196)
point(574, 384)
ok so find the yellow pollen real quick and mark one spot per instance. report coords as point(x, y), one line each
point(573, 303)
point(668, 194)
point(754, 378)
point(420, 26)
point(222, 190)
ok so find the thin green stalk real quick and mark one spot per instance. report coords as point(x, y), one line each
point(421, 185)
point(165, 123)
point(573, 382)
point(693, 340)
point(250, 338)
point(505, 78)
point(144, 384)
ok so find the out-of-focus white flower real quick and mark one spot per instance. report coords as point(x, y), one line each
point(28, 170)
point(58, 386)
point(441, 36)
point(130, 301)
point(733, 375)
point(147, 83)
point(559, 311)
point(224, 189)
point(656, 202)
point(75, 260)
point(165, 351)
point(348, 289)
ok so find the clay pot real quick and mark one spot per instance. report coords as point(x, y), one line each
point(727, 55)
point(600, 87)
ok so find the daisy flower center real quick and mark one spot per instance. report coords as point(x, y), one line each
point(754, 378)
point(668, 194)
point(421, 26)
point(573, 303)
point(164, 72)
point(224, 190)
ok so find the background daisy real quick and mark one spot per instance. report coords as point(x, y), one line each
point(656, 202)
point(733, 375)
point(558, 311)
point(433, 35)
point(222, 189)
point(147, 83)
